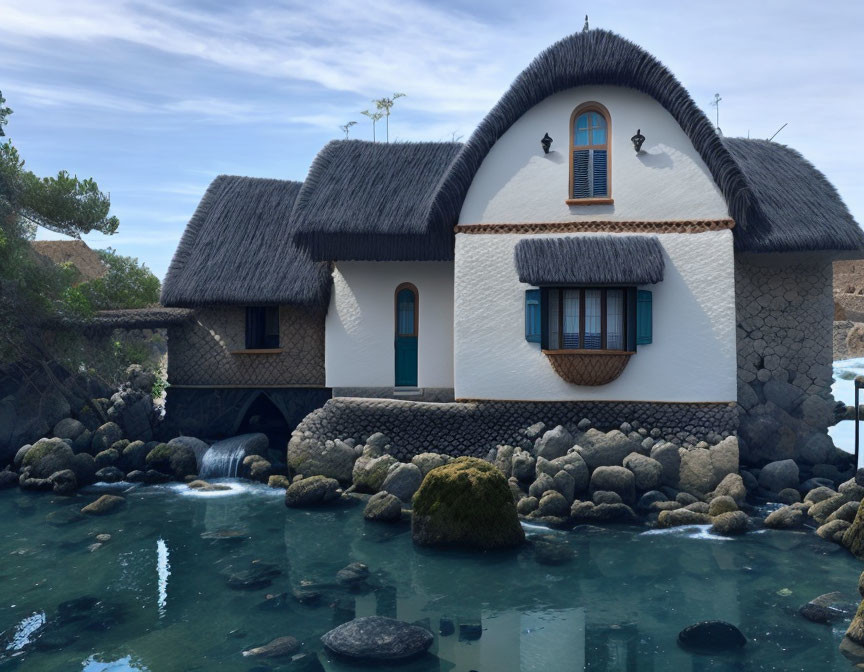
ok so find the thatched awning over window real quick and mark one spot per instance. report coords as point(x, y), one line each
point(590, 260)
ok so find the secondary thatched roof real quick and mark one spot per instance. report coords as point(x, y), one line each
point(75, 252)
point(132, 318)
point(238, 249)
point(800, 209)
point(371, 201)
point(589, 260)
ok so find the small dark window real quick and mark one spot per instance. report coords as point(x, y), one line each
point(589, 318)
point(262, 327)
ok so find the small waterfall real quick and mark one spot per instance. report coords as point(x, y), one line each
point(223, 458)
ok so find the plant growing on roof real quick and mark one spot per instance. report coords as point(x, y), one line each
point(4, 112)
point(375, 117)
point(347, 127)
point(384, 106)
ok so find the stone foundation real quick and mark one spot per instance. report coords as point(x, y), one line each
point(473, 428)
point(785, 314)
point(219, 412)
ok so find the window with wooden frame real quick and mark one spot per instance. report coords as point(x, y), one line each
point(590, 156)
point(589, 319)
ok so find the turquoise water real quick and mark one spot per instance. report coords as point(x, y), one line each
point(156, 594)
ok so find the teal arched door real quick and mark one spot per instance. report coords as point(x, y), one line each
point(406, 335)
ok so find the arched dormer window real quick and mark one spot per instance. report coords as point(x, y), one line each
point(590, 165)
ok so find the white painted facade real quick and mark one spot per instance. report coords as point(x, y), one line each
point(692, 357)
point(360, 329)
point(517, 182)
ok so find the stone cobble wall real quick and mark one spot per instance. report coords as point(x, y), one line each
point(199, 353)
point(785, 314)
point(473, 428)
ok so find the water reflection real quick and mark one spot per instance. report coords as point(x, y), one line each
point(163, 569)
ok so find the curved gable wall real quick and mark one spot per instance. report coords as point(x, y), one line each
point(517, 182)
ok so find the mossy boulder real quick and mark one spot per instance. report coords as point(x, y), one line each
point(105, 437)
point(468, 504)
point(104, 505)
point(48, 456)
point(853, 539)
point(107, 458)
point(134, 456)
point(856, 627)
point(176, 460)
point(312, 491)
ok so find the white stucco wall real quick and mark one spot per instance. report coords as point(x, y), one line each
point(359, 329)
point(692, 357)
point(517, 182)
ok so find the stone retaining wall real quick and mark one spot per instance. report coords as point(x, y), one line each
point(785, 313)
point(473, 428)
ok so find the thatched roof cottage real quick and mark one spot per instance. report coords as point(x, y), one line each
point(595, 242)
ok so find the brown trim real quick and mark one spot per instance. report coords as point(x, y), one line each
point(406, 285)
point(602, 226)
point(591, 106)
point(257, 351)
point(589, 201)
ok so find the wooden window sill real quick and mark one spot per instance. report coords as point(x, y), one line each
point(257, 351)
point(588, 352)
point(589, 201)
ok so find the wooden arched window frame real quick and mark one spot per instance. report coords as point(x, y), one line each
point(413, 290)
point(586, 171)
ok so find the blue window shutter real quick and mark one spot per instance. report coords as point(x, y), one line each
point(599, 173)
point(532, 315)
point(644, 328)
point(581, 189)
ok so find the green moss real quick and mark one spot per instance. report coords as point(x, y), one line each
point(38, 451)
point(856, 627)
point(853, 538)
point(161, 454)
point(466, 503)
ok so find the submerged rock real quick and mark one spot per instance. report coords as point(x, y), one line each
point(312, 491)
point(466, 503)
point(104, 505)
point(378, 639)
point(352, 574)
point(259, 575)
point(711, 637)
point(281, 646)
point(678, 517)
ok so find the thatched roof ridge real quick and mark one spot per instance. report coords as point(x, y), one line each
point(238, 249)
point(801, 210)
point(155, 317)
point(371, 201)
point(589, 260)
point(596, 57)
point(75, 252)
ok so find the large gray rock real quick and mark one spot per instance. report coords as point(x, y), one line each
point(566, 485)
point(278, 648)
point(426, 462)
point(377, 639)
point(176, 459)
point(105, 437)
point(333, 459)
point(523, 465)
point(732, 486)
point(64, 482)
point(383, 506)
point(403, 480)
point(697, 473)
point(572, 463)
point(370, 471)
point(554, 443)
point(606, 450)
point(503, 459)
point(312, 491)
point(785, 518)
point(553, 504)
point(68, 428)
point(48, 456)
point(615, 479)
point(816, 449)
point(541, 485)
point(818, 412)
point(775, 476)
point(197, 446)
point(647, 471)
point(667, 455)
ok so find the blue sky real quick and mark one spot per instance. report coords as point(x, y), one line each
point(155, 99)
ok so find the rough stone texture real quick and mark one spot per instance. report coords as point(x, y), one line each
point(199, 351)
point(335, 459)
point(377, 639)
point(383, 506)
point(731, 522)
point(104, 505)
point(402, 481)
point(312, 491)
point(679, 517)
point(722, 504)
point(475, 428)
point(785, 518)
point(732, 486)
point(606, 450)
point(776, 476)
point(648, 472)
point(553, 504)
point(785, 314)
point(105, 437)
point(554, 443)
point(426, 462)
point(615, 479)
point(369, 472)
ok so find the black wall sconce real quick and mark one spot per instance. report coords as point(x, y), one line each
point(637, 140)
point(547, 143)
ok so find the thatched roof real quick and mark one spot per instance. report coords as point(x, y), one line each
point(133, 318)
point(589, 260)
point(371, 201)
point(800, 209)
point(238, 249)
point(75, 252)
